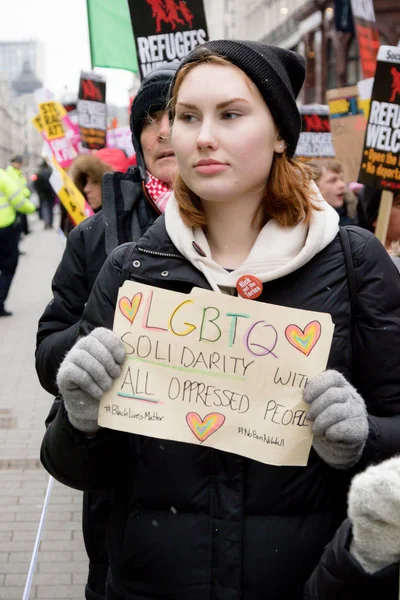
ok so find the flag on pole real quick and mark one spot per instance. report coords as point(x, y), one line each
point(111, 37)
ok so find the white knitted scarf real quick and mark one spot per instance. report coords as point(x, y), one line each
point(277, 251)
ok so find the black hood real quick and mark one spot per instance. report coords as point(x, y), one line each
point(151, 97)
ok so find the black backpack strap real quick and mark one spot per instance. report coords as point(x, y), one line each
point(348, 261)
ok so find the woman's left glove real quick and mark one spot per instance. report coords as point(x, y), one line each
point(340, 419)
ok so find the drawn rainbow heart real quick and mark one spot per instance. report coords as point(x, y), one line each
point(304, 340)
point(129, 308)
point(203, 428)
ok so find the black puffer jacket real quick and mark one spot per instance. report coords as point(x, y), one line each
point(125, 216)
point(195, 523)
point(42, 184)
point(339, 576)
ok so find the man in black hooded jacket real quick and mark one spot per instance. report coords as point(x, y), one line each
point(130, 205)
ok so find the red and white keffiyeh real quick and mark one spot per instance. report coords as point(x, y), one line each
point(158, 191)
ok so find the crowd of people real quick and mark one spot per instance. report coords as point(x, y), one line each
point(215, 181)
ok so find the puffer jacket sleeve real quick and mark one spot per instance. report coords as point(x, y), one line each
point(339, 575)
point(79, 462)
point(100, 308)
point(72, 458)
point(59, 325)
point(376, 343)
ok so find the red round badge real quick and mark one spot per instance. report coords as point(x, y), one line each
point(249, 287)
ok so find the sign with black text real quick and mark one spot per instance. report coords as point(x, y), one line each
point(92, 112)
point(315, 138)
point(166, 30)
point(380, 166)
point(213, 370)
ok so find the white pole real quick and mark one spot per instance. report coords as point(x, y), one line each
point(32, 566)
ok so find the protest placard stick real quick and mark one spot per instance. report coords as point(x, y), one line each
point(384, 215)
point(32, 566)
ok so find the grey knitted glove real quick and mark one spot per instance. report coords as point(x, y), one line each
point(87, 371)
point(374, 510)
point(340, 419)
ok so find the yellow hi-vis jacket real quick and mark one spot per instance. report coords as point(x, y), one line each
point(18, 178)
point(12, 200)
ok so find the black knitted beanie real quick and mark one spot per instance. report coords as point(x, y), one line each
point(279, 75)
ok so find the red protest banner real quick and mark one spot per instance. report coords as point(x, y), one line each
point(367, 35)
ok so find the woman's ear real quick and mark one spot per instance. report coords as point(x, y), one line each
point(279, 146)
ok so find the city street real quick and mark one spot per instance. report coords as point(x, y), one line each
point(232, 172)
point(62, 563)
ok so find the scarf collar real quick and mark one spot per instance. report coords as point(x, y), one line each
point(277, 251)
point(158, 191)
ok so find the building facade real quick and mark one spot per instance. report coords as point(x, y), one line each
point(21, 65)
point(13, 55)
point(308, 26)
point(11, 124)
point(17, 133)
point(222, 18)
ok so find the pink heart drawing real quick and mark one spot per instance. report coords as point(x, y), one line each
point(203, 428)
point(129, 308)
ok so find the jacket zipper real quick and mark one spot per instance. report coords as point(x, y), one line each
point(163, 254)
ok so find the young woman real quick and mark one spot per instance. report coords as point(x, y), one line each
point(190, 522)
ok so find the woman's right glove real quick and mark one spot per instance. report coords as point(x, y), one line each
point(374, 511)
point(86, 373)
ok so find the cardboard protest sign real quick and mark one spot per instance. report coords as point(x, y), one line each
point(367, 35)
point(92, 112)
point(364, 88)
point(215, 370)
point(315, 138)
point(380, 167)
point(37, 121)
point(348, 124)
point(166, 30)
point(51, 122)
point(121, 138)
point(69, 195)
point(72, 132)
